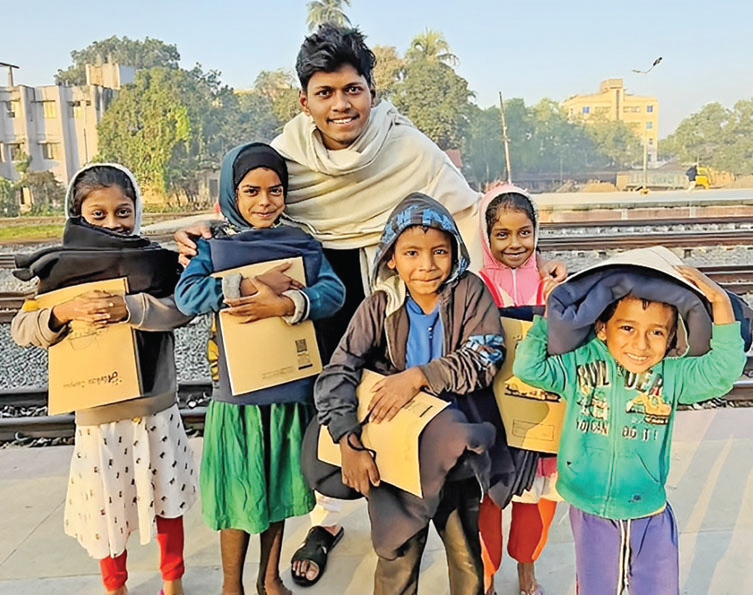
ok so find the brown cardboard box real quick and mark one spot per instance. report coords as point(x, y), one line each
point(270, 351)
point(395, 442)
point(91, 366)
point(532, 417)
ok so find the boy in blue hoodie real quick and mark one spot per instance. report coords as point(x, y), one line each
point(621, 391)
point(429, 325)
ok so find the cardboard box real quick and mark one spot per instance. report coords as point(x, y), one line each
point(532, 417)
point(91, 366)
point(395, 442)
point(270, 351)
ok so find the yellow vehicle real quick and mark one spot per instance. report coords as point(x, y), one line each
point(703, 178)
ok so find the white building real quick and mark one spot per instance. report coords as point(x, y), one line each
point(56, 125)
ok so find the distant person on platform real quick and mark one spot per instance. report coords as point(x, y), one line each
point(350, 162)
point(692, 172)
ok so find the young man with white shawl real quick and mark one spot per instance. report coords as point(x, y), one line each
point(350, 162)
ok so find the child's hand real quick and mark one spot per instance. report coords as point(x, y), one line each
point(359, 470)
point(720, 304)
point(393, 392)
point(551, 269)
point(94, 307)
point(265, 303)
point(278, 281)
point(186, 240)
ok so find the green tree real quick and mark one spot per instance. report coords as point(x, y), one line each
point(484, 151)
point(281, 89)
point(388, 70)
point(9, 202)
point(617, 141)
point(431, 46)
point(435, 98)
point(146, 53)
point(148, 129)
point(253, 118)
point(326, 11)
point(716, 136)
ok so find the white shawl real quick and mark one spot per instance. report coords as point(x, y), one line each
point(344, 197)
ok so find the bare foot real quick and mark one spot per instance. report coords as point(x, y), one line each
point(121, 591)
point(173, 587)
point(527, 580)
point(273, 587)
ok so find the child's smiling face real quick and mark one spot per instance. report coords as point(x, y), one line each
point(512, 238)
point(637, 336)
point(423, 259)
point(110, 208)
point(260, 197)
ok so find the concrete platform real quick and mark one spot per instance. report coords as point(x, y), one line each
point(710, 487)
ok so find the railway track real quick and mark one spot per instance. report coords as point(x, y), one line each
point(34, 423)
point(736, 278)
point(62, 426)
point(682, 239)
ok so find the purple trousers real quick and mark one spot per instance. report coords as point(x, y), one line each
point(639, 556)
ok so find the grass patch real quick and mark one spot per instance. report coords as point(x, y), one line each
point(20, 232)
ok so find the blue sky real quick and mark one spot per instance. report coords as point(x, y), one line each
point(529, 48)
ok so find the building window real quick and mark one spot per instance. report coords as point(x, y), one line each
point(649, 108)
point(49, 110)
point(14, 108)
point(585, 109)
point(16, 152)
point(649, 125)
point(51, 151)
point(650, 140)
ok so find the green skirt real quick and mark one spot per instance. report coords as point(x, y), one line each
point(251, 465)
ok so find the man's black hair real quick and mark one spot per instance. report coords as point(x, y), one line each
point(329, 48)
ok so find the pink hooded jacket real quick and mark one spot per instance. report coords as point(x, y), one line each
point(521, 286)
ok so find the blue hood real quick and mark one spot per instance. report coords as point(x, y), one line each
point(418, 209)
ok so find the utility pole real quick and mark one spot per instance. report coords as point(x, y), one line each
point(505, 138)
point(10, 68)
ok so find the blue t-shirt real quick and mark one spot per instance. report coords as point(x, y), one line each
point(424, 336)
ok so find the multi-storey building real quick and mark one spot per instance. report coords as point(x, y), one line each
point(612, 102)
point(56, 125)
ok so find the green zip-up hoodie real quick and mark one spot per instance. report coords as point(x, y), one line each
point(613, 459)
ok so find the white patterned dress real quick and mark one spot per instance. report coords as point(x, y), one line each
point(123, 475)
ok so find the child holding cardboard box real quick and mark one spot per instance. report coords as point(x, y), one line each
point(509, 230)
point(428, 325)
point(132, 467)
point(250, 474)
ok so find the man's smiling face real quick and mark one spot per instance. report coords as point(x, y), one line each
point(340, 103)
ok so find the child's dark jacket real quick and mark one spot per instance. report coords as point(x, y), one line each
point(376, 339)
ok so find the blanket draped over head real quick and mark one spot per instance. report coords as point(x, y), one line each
point(90, 253)
point(345, 197)
point(646, 273)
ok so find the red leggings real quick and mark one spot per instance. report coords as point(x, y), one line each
point(529, 529)
point(170, 539)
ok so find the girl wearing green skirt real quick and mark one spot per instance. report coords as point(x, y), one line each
point(251, 479)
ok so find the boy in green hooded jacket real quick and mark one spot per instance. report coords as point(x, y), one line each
point(621, 391)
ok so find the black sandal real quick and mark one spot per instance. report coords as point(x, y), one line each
point(315, 548)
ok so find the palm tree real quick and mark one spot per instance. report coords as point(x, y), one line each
point(432, 47)
point(326, 11)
